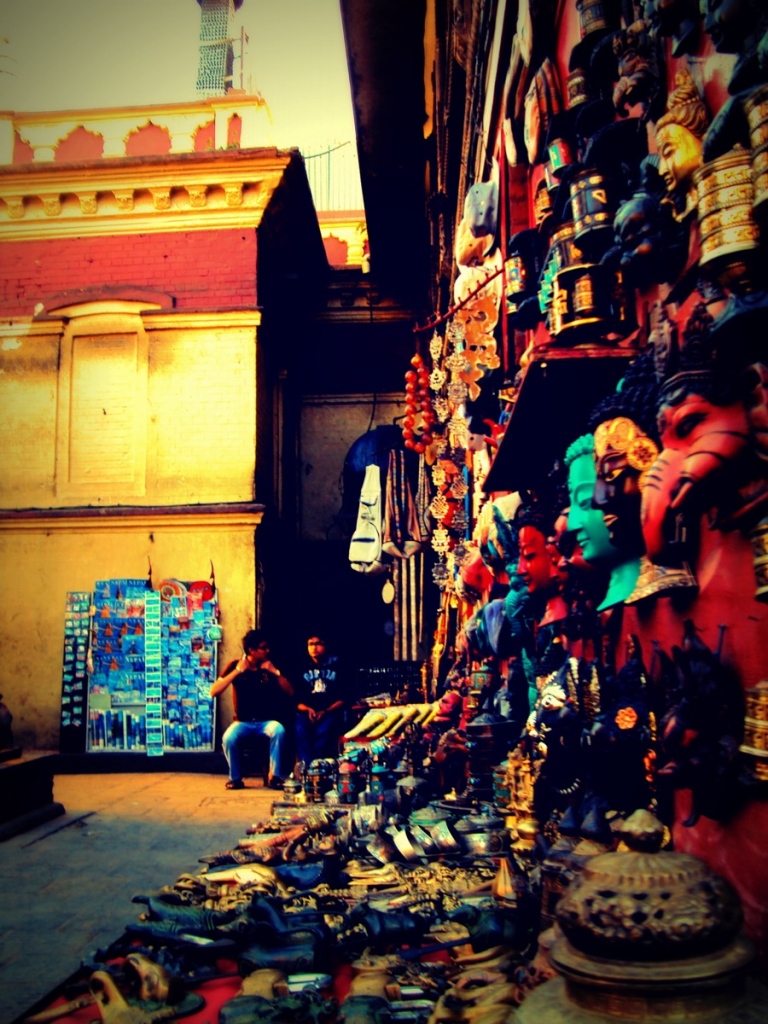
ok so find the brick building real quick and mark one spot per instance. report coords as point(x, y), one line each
point(141, 249)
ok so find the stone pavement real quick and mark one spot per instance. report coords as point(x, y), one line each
point(66, 885)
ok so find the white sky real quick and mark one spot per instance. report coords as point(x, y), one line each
point(69, 54)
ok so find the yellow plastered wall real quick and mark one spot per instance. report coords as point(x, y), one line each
point(109, 412)
point(41, 561)
point(109, 407)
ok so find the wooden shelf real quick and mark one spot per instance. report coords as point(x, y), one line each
point(560, 389)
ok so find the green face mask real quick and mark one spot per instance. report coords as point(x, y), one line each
point(587, 522)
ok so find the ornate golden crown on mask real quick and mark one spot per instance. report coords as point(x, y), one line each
point(622, 436)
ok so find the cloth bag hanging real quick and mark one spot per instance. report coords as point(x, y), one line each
point(402, 532)
point(365, 546)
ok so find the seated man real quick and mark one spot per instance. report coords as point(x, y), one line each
point(321, 704)
point(261, 699)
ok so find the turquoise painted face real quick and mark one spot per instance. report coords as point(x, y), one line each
point(586, 522)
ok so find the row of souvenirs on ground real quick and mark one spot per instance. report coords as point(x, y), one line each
point(405, 906)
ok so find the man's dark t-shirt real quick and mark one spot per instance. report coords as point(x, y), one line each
point(321, 685)
point(259, 698)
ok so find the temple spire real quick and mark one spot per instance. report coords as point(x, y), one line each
point(214, 70)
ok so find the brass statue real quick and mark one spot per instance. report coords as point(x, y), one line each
point(679, 134)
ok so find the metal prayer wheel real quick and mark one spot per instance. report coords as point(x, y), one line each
point(594, 16)
point(562, 253)
point(560, 156)
point(350, 782)
point(542, 204)
point(590, 298)
point(759, 540)
point(756, 108)
point(501, 790)
point(593, 212)
point(320, 779)
point(581, 299)
point(515, 281)
point(728, 232)
point(755, 742)
point(577, 88)
point(488, 740)
point(382, 779)
point(482, 677)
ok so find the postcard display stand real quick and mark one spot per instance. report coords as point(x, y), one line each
point(152, 661)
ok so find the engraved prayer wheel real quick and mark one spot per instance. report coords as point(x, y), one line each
point(594, 16)
point(542, 204)
point(320, 779)
point(580, 300)
point(515, 282)
point(593, 212)
point(756, 108)
point(755, 742)
point(560, 156)
point(759, 540)
point(562, 253)
point(729, 233)
point(577, 88)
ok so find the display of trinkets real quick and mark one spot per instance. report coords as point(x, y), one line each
point(190, 636)
point(153, 656)
point(117, 683)
point(74, 678)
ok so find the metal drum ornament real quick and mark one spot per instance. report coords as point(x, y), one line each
point(581, 299)
point(320, 779)
point(542, 203)
point(756, 107)
point(516, 282)
point(755, 743)
point(648, 937)
point(728, 232)
point(560, 156)
point(594, 209)
point(562, 253)
point(759, 540)
point(577, 88)
point(590, 299)
point(350, 782)
point(594, 16)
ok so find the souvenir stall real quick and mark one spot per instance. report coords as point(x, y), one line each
point(595, 435)
point(566, 817)
point(138, 666)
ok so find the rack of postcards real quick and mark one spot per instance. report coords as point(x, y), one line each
point(74, 675)
point(152, 660)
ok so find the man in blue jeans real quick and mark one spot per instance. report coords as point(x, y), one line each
point(321, 703)
point(262, 697)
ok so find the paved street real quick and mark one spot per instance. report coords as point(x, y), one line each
point(66, 886)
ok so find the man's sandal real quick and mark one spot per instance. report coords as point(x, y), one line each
point(235, 784)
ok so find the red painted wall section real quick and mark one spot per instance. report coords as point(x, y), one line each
point(201, 269)
point(205, 138)
point(149, 140)
point(336, 251)
point(80, 144)
point(22, 151)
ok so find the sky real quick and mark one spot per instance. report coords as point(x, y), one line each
point(70, 54)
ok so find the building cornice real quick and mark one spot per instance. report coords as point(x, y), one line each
point(188, 192)
point(152, 320)
point(133, 518)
